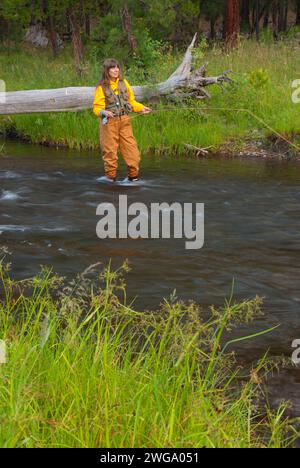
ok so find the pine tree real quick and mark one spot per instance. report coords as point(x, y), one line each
point(232, 22)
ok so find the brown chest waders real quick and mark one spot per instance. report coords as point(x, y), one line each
point(117, 134)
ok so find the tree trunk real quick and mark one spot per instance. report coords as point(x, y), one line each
point(127, 27)
point(181, 84)
point(245, 15)
point(3, 28)
point(267, 18)
point(257, 19)
point(212, 29)
point(85, 18)
point(50, 28)
point(286, 14)
point(232, 22)
point(82, 12)
point(275, 13)
point(52, 35)
point(282, 20)
point(88, 25)
point(298, 12)
point(76, 41)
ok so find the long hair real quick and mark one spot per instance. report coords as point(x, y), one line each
point(109, 63)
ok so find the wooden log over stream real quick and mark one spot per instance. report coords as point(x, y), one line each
point(182, 83)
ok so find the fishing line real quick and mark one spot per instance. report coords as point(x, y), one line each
point(259, 119)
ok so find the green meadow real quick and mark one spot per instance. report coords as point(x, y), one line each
point(257, 106)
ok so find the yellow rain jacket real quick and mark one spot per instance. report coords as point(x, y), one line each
point(99, 100)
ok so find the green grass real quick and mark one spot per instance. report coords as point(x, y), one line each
point(263, 77)
point(86, 370)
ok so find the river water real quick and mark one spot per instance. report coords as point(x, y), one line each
point(48, 201)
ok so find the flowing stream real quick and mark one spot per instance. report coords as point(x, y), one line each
point(48, 201)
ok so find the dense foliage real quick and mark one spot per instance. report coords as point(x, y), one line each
point(137, 28)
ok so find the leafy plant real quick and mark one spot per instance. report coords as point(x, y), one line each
point(259, 78)
point(85, 369)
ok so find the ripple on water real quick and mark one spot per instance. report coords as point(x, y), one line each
point(8, 196)
point(32, 229)
point(13, 228)
point(43, 177)
point(9, 175)
point(89, 193)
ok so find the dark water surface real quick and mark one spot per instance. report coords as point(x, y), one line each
point(48, 201)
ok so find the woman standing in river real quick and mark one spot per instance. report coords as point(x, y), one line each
point(113, 102)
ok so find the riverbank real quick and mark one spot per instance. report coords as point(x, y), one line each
point(257, 107)
point(86, 382)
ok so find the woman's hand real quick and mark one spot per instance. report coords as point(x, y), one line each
point(146, 110)
point(107, 114)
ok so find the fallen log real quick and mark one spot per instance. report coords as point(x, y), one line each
point(183, 82)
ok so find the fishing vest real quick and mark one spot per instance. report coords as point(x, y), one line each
point(117, 103)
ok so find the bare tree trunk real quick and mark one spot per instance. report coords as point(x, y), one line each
point(85, 18)
point(283, 11)
point(76, 41)
point(245, 14)
point(262, 12)
point(52, 35)
point(298, 12)
point(212, 29)
point(87, 25)
point(275, 14)
point(267, 18)
point(82, 12)
point(50, 28)
point(265, 12)
point(232, 22)
point(257, 19)
point(286, 14)
point(253, 20)
point(127, 27)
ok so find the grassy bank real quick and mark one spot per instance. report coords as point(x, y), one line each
point(263, 84)
point(85, 370)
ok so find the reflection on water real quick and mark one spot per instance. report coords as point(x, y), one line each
point(48, 203)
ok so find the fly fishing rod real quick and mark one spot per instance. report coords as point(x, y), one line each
point(259, 119)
